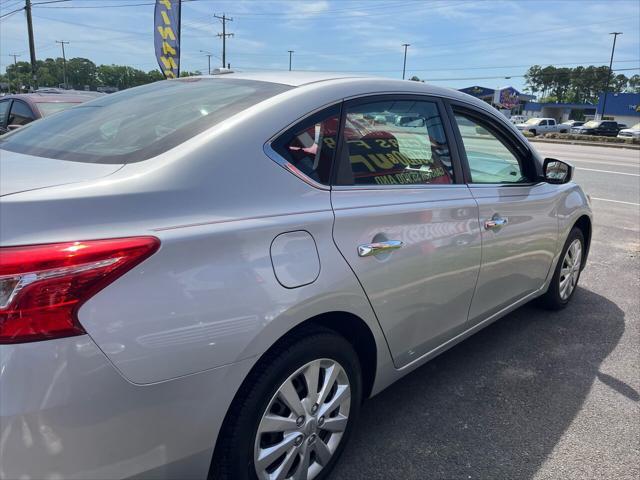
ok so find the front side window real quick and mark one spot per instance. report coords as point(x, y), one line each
point(139, 123)
point(489, 159)
point(396, 142)
point(310, 145)
point(20, 114)
point(543, 123)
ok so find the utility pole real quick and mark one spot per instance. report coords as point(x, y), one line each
point(404, 65)
point(606, 88)
point(290, 55)
point(64, 62)
point(32, 46)
point(224, 36)
point(15, 70)
point(208, 55)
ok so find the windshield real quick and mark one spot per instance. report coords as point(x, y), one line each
point(138, 123)
point(636, 126)
point(49, 108)
point(592, 124)
point(533, 121)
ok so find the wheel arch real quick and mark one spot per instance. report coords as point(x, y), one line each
point(584, 224)
point(348, 325)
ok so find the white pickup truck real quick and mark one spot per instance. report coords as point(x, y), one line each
point(539, 126)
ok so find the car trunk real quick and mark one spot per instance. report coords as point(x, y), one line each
point(21, 173)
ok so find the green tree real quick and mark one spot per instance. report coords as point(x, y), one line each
point(81, 72)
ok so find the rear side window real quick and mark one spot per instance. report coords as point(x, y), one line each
point(396, 142)
point(139, 123)
point(4, 110)
point(20, 114)
point(310, 146)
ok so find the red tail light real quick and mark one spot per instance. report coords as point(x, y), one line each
point(43, 286)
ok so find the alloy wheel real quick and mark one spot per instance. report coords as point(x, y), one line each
point(570, 270)
point(304, 422)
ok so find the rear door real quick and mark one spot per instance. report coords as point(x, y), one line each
point(543, 126)
point(518, 214)
point(404, 220)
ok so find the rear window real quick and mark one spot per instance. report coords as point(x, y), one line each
point(138, 123)
point(49, 108)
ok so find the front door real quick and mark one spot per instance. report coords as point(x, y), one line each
point(517, 214)
point(405, 222)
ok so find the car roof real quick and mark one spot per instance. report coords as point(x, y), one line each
point(382, 84)
point(293, 78)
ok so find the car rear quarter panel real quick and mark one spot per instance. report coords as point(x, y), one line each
point(65, 412)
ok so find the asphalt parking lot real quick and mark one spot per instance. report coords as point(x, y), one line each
point(537, 395)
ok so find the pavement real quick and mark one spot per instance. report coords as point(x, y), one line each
point(538, 394)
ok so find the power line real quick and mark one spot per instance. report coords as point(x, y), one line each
point(497, 77)
point(51, 1)
point(11, 12)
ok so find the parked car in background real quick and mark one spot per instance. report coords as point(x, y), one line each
point(205, 277)
point(516, 119)
point(20, 109)
point(573, 123)
point(606, 128)
point(633, 132)
point(538, 126)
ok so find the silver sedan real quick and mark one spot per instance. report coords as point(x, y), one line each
point(205, 277)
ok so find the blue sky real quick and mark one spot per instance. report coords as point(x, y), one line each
point(454, 43)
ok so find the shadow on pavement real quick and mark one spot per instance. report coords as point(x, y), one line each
point(495, 405)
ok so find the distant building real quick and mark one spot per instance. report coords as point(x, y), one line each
point(560, 111)
point(506, 99)
point(621, 107)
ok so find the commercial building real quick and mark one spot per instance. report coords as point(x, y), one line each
point(506, 99)
point(560, 111)
point(621, 107)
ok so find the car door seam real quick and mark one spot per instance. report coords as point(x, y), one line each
point(333, 239)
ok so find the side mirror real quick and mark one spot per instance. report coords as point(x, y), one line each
point(557, 171)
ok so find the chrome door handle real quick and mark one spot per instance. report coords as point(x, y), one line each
point(495, 222)
point(369, 249)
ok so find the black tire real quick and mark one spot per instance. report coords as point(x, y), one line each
point(552, 299)
point(533, 132)
point(233, 456)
